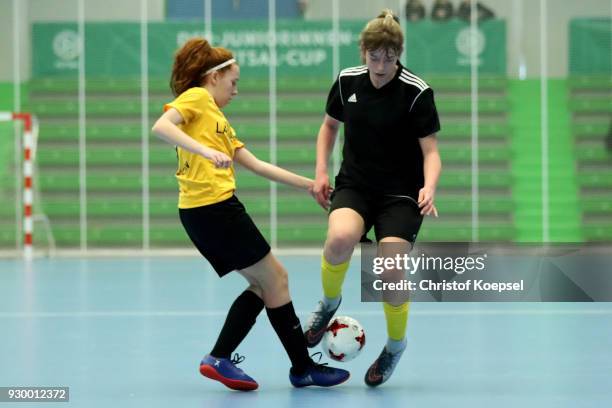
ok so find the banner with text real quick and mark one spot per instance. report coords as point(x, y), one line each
point(590, 46)
point(304, 48)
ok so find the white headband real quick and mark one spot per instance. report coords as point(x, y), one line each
point(218, 67)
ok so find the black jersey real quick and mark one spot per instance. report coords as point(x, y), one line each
point(382, 128)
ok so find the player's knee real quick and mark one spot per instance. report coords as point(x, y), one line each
point(282, 280)
point(277, 280)
point(341, 242)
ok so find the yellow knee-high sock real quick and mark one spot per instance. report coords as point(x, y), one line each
point(332, 277)
point(397, 319)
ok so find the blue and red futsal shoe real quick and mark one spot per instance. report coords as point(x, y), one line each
point(225, 371)
point(320, 375)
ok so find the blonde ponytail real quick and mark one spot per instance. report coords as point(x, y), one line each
point(384, 32)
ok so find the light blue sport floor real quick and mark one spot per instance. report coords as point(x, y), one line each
point(131, 332)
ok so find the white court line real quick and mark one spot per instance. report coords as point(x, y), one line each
point(151, 253)
point(220, 313)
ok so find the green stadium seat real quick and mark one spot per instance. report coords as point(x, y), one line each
point(111, 156)
point(96, 85)
point(463, 105)
point(94, 132)
point(593, 154)
point(119, 234)
point(590, 130)
point(464, 131)
point(102, 181)
point(7, 154)
point(459, 83)
point(596, 204)
point(597, 232)
point(126, 108)
point(285, 130)
point(591, 105)
point(489, 179)
point(125, 207)
point(463, 205)
point(462, 231)
point(590, 82)
point(7, 236)
point(464, 155)
point(594, 179)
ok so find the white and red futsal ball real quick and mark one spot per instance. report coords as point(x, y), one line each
point(344, 339)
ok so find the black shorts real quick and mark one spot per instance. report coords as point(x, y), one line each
point(391, 215)
point(225, 234)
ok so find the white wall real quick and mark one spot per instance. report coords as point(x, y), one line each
point(59, 10)
point(559, 13)
point(523, 24)
point(95, 10)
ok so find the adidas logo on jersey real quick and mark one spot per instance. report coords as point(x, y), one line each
point(352, 98)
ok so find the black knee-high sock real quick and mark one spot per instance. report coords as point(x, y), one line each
point(289, 331)
point(240, 318)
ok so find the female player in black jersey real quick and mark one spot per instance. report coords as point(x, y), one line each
point(204, 80)
point(388, 177)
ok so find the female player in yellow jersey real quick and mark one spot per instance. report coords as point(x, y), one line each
point(388, 177)
point(204, 80)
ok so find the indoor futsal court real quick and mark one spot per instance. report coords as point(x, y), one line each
point(129, 332)
point(132, 212)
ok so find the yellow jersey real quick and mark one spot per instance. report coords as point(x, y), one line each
point(200, 182)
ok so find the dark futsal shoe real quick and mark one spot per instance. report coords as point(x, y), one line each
point(317, 323)
point(320, 375)
point(225, 371)
point(382, 368)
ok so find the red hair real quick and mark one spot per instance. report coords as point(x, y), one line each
point(194, 58)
